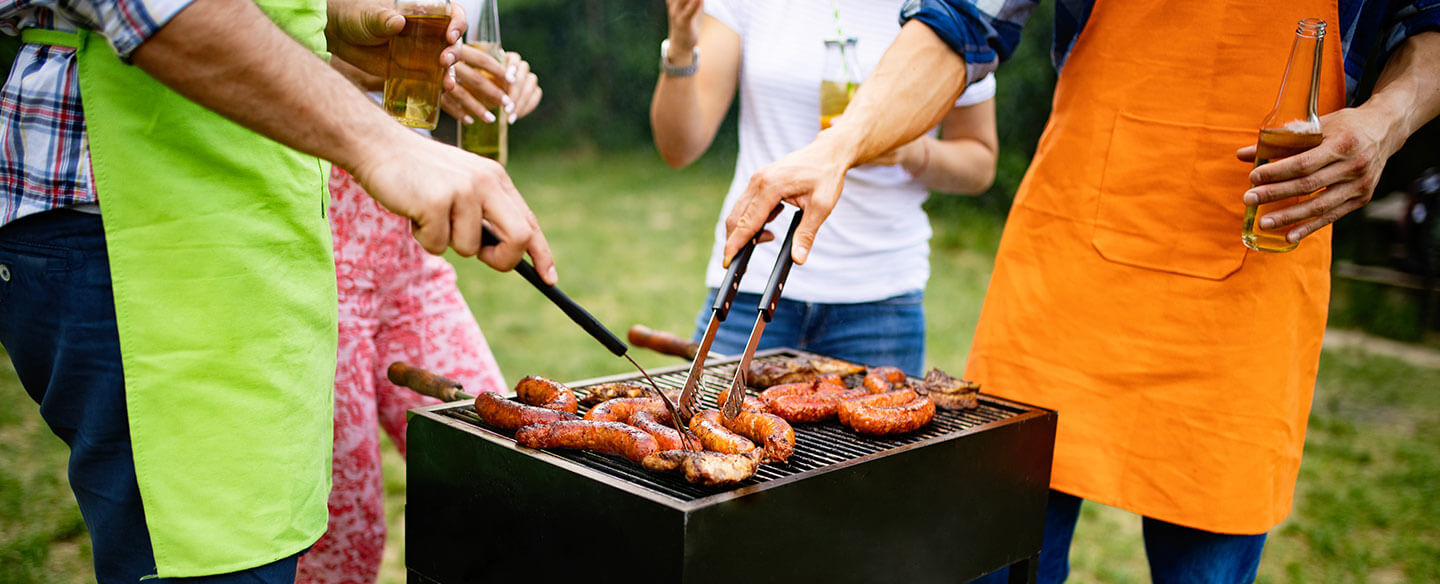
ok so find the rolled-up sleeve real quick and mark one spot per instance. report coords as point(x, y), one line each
point(984, 34)
point(129, 23)
point(1411, 19)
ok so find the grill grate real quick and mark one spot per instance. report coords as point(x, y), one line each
point(817, 446)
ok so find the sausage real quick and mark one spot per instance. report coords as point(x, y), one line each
point(750, 403)
point(892, 412)
point(668, 438)
point(544, 393)
point(620, 409)
point(512, 415)
point(716, 437)
point(808, 402)
point(608, 391)
point(774, 434)
point(704, 468)
point(883, 379)
point(606, 437)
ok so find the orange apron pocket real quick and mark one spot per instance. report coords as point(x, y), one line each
point(1159, 206)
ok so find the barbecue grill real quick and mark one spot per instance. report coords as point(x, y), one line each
point(950, 502)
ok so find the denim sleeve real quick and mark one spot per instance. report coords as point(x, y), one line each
point(983, 37)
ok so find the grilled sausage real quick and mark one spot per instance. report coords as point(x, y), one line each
point(668, 438)
point(774, 434)
point(716, 437)
point(607, 437)
point(808, 402)
point(892, 412)
point(620, 409)
point(608, 391)
point(704, 468)
point(750, 403)
point(544, 393)
point(883, 379)
point(512, 415)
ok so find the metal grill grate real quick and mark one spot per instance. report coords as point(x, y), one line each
point(817, 446)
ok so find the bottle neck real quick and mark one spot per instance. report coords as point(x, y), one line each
point(1296, 104)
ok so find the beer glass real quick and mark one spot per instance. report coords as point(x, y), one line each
point(839, 79)
point(488, 139)
point(414, 78)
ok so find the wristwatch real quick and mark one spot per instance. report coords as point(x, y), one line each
point(673, 71)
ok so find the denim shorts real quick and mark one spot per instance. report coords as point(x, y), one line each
point(884, 332)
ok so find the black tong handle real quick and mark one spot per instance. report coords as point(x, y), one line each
point(781, 271)
point(731, 284)
point(571, 309)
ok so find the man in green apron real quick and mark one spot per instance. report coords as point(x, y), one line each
point(166, 288)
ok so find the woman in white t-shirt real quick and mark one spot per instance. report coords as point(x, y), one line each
point(859, 295)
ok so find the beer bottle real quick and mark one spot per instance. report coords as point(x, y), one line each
point(488, 139)
point(1292, 127)
point(414, 78)
point(839, 79)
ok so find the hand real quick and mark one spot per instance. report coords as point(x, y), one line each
point(448, 194)
point(359, 32)
point(361, 79)
point(483, 84)
point(1346, 165)
point(685, 16)
point(809, 178)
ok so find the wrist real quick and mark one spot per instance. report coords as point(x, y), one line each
point(915, 156)
point(679, 53)
point(672, 66)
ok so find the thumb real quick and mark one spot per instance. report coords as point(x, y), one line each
point(805, 233)
point(1246, 154)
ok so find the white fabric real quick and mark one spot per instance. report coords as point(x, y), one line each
point(876, 243)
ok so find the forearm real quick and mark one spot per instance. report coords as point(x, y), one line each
point(267, 82)
point(891, 107)
point(1407, 93)
point(952, 166)
point(677, 121)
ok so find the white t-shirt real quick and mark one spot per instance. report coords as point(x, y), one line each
point(876, 242)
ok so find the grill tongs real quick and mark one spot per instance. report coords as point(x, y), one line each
point(689, 399)
point(766, 310)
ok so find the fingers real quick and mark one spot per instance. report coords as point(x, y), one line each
point(1302, 174)
point(805, 233)
point(456, 27)
point(513, 225)
point(480, 86)
point(748, 216)
point(432, 230)
point(1324, 219)
point(1246, 154)
point(482, 62)
point(524, 87)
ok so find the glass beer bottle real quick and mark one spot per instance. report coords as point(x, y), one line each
point(1291, 128)
point(839, 79)
point(488, 139)
point(414, 76)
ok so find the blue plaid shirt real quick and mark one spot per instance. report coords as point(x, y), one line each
point(986, 36)
point(46, 163)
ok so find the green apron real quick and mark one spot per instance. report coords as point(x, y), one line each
point(224, 286)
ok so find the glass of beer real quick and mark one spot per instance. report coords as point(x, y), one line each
point(488, 139)
point(839, 79)
point(414, 78)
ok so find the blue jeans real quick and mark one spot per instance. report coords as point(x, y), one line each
point(884, 332)
point(57, 322)
point(1178, 555)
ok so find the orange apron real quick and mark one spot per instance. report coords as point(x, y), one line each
point(1182, 363)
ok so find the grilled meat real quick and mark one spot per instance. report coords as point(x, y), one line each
point(773, 433)
point(716, 437)
point(813, 401)
point(668, 438)
point(620, 409)
point(607, 437)
point(608, 391)
point(883, 379)
point(950, 393)
point(704, 468)
point(511, 415)
point(544, 393)
point(892, 412)
point(779, 371)
point(750, 403)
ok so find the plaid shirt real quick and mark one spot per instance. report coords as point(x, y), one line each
point(989, 33)
point(46, 162)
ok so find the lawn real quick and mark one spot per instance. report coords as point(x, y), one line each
point(632, 236)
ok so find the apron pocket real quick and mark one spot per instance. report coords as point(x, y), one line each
point(1170, 197)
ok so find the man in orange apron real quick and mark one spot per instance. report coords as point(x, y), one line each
point(1182, 364)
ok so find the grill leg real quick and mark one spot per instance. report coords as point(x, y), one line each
point(1025, 571)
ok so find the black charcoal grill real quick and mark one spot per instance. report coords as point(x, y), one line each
point(952, 501)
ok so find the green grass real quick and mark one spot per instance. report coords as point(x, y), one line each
point(632, 236)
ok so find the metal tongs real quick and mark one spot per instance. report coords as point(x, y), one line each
point(586, 321)
point(766, 310)
point(689, 399)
